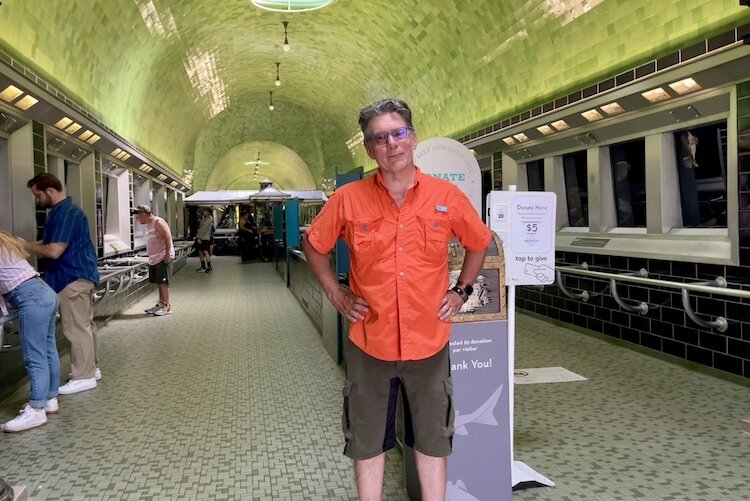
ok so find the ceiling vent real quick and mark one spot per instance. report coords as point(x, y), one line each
point(586, 139)
point(6, 122)
point(55, 143)
point(79, 153)
point(684, 114)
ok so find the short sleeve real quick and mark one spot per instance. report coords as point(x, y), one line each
point(328, 226)
point(467, 225)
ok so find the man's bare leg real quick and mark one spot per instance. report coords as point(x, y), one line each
point(369, 474)
point(433, 475)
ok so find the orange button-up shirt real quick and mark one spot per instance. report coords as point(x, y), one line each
point(399, 259)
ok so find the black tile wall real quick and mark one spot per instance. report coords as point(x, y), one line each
point(666, 327)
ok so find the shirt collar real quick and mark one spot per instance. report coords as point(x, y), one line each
point(379, 179)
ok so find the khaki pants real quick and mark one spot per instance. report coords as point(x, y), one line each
point(77, 312)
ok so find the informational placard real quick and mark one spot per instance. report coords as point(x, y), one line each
point(448, 159)
point(480, 466)
point(525, 222)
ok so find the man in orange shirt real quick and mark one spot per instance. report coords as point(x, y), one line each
point(397, 224)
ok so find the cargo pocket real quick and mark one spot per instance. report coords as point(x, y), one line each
point(450, 415)
point(346, 426)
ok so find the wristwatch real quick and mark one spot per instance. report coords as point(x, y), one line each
point(463, 290)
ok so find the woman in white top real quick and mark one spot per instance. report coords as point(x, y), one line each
point(36, 302)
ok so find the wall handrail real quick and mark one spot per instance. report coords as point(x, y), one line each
point(583, 295)
point(639, 306)
point(716, 286)
point(694, 287)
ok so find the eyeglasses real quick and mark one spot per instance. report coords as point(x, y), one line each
point(381, 138)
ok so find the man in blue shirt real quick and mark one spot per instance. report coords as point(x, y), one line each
point(70, 269)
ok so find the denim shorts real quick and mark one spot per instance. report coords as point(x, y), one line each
point(370, 400)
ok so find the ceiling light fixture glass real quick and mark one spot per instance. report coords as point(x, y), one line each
point(285, 46)
point(546, 130)
point(592, 115)
point(656, 95)
point(509, 141)
point(270, 100)
point(10, 93)
point(291, 5)
point(560, 125)
point(26, 102)
point(521, 137)
point(278, 80)
point(613, 108)
point(684, 86)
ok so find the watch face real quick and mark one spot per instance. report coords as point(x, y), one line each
point(469, 289)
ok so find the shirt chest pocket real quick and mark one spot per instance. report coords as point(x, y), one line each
point(365, 234)
point(435, 233)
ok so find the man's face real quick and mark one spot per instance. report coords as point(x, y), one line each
point(42, 198)
point(394, 155)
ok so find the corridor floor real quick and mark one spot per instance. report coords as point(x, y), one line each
point(233, 397)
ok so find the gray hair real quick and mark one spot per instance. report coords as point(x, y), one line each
point(383, 107)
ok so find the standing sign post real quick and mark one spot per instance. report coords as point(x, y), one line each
point(479, 468)
point(525, 222)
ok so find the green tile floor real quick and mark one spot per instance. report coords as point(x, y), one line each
point(233, 397)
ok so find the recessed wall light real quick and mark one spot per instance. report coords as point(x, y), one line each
point(116, 152)
point(26, 102)
point(685, 86)
point(521, 137)
point(560, 125)
point(145, 168)
point(85, 135)
point(546, 130)
point(93, 139)
point(656, 95)
point(173, 183)
point(161, 177)
point(613, 108)
point(63, 122)
point(509, 141)
point(10, 93)
point(73, 128)
point(592, 115)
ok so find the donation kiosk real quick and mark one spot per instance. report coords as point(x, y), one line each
point(480, 466)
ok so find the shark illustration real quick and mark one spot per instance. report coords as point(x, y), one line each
point(483, 415)
point(458, 492)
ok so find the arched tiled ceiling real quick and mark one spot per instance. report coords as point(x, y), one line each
point(236, 169)
point(160, 71)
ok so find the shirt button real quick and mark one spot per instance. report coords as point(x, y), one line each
point(401, 225)
point(401, 273)
point(401, 249)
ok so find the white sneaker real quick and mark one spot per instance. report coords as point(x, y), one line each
point(77, 385)
point(51, 407)
point(97, 375)
point(27, 419)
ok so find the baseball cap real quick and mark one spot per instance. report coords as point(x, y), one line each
point(141, 209)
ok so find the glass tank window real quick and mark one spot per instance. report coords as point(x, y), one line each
point(629, 180)
point(576, 188)
point(535, 175)
point(701, 165)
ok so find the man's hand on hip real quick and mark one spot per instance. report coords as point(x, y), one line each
point(354, 308)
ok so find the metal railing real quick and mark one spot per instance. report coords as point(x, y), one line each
point(716, 286)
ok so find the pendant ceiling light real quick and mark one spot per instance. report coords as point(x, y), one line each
point(270, 100)
point(278, 80)
point(286, 38)
point(291, 5)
